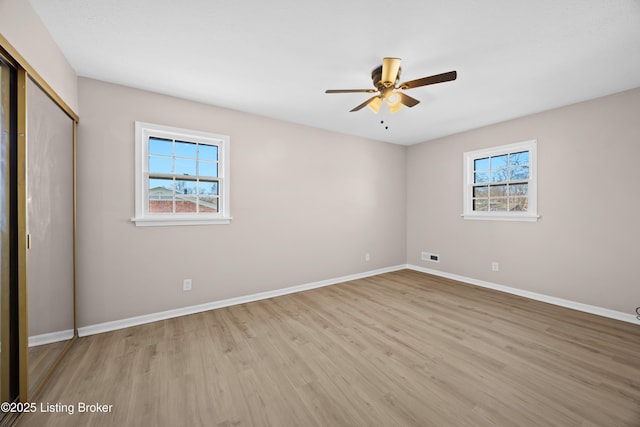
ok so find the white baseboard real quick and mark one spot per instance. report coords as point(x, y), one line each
point(153, 317)
point(51, 337)
point(605, 312)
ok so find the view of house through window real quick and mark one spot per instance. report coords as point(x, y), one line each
point(182, 176)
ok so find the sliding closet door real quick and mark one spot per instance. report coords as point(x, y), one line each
point(50, 227)
point(8, 235)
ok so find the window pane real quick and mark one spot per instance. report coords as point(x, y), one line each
point(208, 204)
point(498, 205)
point(185, 167)
point(186, 204)
point(498, 191)
point(518, 204)
point(160, 195)
point(480, 205)
point(208, 169)
point(481, 191)
point(519, 189)
point(184, 186)
point(162, 185)
point(499, 175)
point(159, 146)
point(209, 188)
point(481, 164)
point(186, 149)
point(160, 164)
point(520, 172)
point(519, 159)
point(481, 177)
point(207, 152)
point(499, 162)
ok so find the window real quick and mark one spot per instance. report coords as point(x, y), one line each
point(182, 176)
point(500, 183)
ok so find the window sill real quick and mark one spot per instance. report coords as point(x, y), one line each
point(498, 217)
point(176, 220)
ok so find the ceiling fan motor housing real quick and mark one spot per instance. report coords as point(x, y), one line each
point(376, 76)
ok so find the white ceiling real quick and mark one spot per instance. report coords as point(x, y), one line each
point(276, 58)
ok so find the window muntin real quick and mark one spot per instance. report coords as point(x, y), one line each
point(500, 182)
point(181, 176)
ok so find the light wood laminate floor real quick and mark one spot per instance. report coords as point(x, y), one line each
point(398, 349)
point(41, 358)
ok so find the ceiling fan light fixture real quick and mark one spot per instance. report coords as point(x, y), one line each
point(395, 108)
point(375, 104)
point(394, 102)
point(390, 71)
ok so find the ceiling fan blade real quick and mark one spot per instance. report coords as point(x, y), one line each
point(407, 100)
point(438, 78)
point(375, 105)
point(350, 90)
point(390, 68)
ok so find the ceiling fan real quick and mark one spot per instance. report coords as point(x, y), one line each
point(385, 80)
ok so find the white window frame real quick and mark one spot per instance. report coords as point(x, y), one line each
point(468, 157)
point(142, 215)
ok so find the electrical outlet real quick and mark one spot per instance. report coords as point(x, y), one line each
point(186, 285)
point(367, 256)
point(426, 256)
point(495, 266)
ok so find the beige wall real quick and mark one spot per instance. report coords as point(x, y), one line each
point(307, 205)
point(22, 27)
point(585, 246)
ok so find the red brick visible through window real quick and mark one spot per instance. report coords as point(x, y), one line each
point(182, 206)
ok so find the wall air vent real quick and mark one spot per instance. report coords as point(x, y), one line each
point(426, 256)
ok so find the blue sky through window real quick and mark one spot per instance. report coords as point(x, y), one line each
point(182, 158)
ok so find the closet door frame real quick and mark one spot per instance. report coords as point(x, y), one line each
point(24, 73)
point(8, 312)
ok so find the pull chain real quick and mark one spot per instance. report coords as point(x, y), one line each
point(384, 123)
